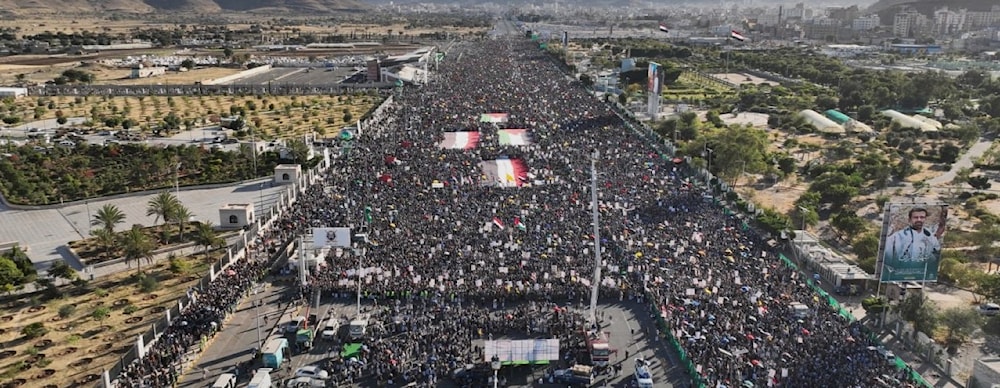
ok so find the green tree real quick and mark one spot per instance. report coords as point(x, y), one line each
point(205, 236)
point(836, 188)
point(10, 273)
point(161, 205)
point(989, 287)
point(107, 217)
point(959, 324)
point(848, 223)
point(100, 314)
point(106, 240)
point(34, 330)
point(180, 215)
point(916, 308)
point(62, 270)
point(137, 246)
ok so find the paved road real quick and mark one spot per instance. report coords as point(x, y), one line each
point(46, 232)
point(965, 161)
point(626, 321)
point(239, 337)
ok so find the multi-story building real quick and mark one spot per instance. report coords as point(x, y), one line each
point(948, 22)
point(908, 23)
point(979, 19)
point(866, 23)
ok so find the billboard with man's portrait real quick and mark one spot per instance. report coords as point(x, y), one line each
point(910, 248)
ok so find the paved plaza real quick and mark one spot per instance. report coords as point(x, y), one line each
point(46, 232)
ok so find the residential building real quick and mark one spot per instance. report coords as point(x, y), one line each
point(908, 23)
point(866, 23)
point(949, 22)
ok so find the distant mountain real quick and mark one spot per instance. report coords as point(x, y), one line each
point(198, 6)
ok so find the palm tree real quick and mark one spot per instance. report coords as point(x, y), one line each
point(107, 217)
point(161, 205)
point(180, 214)
point(137, 245)
point(106, 240)
point(206, 237)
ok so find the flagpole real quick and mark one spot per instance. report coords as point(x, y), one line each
point(594, 288)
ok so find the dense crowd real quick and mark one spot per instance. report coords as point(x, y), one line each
point(726, 295)
point(200, 319)
point(446, 238)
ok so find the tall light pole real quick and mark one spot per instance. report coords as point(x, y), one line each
point(597, 238)
point(708, 160)
point(803, 210)
point(495, 364)
point(177, 180)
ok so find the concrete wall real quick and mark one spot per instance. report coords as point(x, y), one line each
point(243, 74)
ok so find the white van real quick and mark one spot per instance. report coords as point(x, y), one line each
point(226, 380)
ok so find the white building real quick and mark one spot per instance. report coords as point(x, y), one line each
point(13, 92)
point(866, 23)
point(140, 71)
point(947, 22)
point(236, 215)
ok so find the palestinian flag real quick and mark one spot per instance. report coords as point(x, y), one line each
point(498, 222)
point(514, 137)
point(460, 140)
point(738, 36)
point(493, 118)
point(505, 172)
point(664, 28)
point(519, 225)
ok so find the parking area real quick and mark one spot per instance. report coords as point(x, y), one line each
point(300, 76)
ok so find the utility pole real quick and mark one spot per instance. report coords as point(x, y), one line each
point(596, 282)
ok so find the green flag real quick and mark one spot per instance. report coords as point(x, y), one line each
point(368, 214)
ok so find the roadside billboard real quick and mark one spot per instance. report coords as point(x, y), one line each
point(331, 237)
point(910, 248)
point(653, 75)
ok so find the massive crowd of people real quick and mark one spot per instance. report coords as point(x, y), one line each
point(200, 319)
point(444, 236)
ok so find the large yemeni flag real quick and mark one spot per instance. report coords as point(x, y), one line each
point(738, 36)
point(664, 28)
point(493, 118)
point(498, 222)
point(505, 172)
point(515, 137)
point(460, 140)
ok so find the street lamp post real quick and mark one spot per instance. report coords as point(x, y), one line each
point(177, 180)
point(803, 210)
point(495, 364)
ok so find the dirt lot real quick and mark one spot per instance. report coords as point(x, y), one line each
point(108, 75)
point(78, 344)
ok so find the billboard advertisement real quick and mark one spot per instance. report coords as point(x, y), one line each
point(653, 75)
point(911, 242)
point(331, 237)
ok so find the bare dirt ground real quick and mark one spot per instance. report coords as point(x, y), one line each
point(741, 78)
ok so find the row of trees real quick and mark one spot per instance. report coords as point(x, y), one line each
point(37, 177)
point(136, 243)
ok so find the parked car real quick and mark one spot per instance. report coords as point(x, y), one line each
point(312, 371)
point(989, 309)
point(330, 329)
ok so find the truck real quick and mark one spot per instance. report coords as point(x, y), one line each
point(304, 339)
point(358, 328)
point(274, 352)
point(598, 348)
point(575, 375)
point(261, 379)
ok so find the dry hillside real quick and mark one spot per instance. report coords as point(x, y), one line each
point(200, 6)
